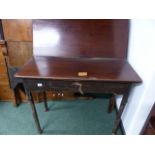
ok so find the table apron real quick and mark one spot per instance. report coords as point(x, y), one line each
point(74, 86)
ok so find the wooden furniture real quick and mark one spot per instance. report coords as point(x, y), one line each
point(17, 43)
point(6, 93)
point(18, 36)
point(63, 48)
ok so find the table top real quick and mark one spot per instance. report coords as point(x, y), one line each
point(63, 48)
point(98, 69)
point(81, 38)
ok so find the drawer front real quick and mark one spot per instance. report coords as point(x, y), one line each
point(39, 85)
point(76, 86)
point(42, 85)
point(105, 87)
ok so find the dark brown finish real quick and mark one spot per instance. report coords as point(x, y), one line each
point(98, 47)
point(14, 82)
point(112, 103)
point(87, 87)
point(18, 35)
point(34, 112)
point(120, 111)
point(100, 69)
point(45, 101)
point(105, 76)
point(81, 38)
point(17, 52)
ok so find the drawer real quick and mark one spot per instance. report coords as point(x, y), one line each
point(39, 85)
point(42, 85)
point(90, 86)
point(77, 86)
point(98, 87)
point(104, 87)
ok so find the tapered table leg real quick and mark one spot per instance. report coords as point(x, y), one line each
point(120, 111)
point(45, 101)
point(34, 112)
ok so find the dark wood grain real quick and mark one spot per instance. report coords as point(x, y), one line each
point(81, 38)
point(112, 70)
point(63, 48)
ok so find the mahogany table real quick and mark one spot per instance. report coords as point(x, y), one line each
point(65, 48)
point(104, 76)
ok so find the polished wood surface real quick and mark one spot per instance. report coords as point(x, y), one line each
point(18, 38)
point(65, 48)
point(81, 38)
point(99, 69)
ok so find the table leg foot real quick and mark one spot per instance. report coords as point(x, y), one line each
point(40, 131)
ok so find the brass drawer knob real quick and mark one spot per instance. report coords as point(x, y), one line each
point(82, 74)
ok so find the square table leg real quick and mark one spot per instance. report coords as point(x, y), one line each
point(120, 111)
point(34, 112)
point(45, 101)
point(112, 103)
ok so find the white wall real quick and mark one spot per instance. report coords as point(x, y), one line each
point(141, 55)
